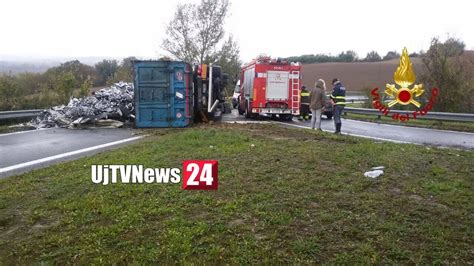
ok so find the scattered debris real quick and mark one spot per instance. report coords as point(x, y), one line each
point(109, 123)
point(108, 107)
point(378, 168)
point(22, 126)
point(375, 172)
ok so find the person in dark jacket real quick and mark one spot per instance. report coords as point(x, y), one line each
point(304, 104)
point(338, 98)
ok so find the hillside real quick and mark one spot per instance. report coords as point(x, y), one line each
point(357, 75)
point(16, 65)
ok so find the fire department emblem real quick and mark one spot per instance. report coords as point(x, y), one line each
point(404, 76)
point(404, 93)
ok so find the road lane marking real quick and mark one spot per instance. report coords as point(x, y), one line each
point(25, 131)
point(64, 155)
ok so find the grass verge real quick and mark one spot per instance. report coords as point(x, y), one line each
point(285, 195)
point(8, 126)
point(444, 125)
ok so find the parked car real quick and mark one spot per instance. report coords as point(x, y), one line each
point(236, 95)
point(327, 110)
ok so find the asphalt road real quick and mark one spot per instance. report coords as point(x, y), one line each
point(24, 151)
point(385, 132)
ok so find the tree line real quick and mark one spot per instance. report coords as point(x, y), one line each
point(347, 56)
point(58, 84)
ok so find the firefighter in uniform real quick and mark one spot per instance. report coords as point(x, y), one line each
point(338, 99)
point(304, 104)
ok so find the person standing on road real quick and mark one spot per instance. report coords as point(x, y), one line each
point(338, 99)
point(304, 104)
point(316, 103)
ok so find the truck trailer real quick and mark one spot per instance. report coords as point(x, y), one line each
point(270, 86)
point(176, 94)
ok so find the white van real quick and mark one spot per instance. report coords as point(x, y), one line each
point(236, 95)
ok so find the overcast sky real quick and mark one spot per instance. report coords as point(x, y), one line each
point(83, 28)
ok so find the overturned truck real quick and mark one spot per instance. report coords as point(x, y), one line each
point(174, 94)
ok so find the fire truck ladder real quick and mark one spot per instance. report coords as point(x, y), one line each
point(295, 92)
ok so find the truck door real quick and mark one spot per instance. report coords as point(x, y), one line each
point(180, 100)
point(277, 85)
point(152, 86)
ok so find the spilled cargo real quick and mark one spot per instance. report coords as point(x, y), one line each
point(110, 107)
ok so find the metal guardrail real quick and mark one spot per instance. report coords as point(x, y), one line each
point(19, 114)
point(463, 117)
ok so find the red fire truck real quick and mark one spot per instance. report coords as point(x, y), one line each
point(270, 86)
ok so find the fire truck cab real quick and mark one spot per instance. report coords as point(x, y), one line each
point(270, 86)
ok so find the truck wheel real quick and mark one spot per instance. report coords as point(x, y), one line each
point(225, 79)
point(227, 108)
point(286, 117)
point(239, 108)
point(215, 116)
point(241, 112)
point(216, 71)
point(248, 115)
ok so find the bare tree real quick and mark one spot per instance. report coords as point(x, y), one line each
point(180, 34)
point(195, 30)
point(209, 22)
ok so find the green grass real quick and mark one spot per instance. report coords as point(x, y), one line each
point(7, 126)
point(356, 105)
point(294, 196)
point(444, 125)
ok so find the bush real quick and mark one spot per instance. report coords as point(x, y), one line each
point(446, 68)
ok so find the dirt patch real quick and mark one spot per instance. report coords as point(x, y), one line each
point(43, 225)
point(236, 222)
